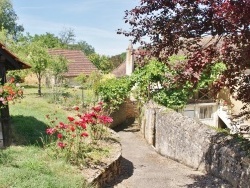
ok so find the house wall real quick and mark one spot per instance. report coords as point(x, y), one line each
point(196, 145)
point(193, 111)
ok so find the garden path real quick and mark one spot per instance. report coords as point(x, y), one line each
point(142, 167)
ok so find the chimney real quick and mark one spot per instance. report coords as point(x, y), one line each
point(129, 60)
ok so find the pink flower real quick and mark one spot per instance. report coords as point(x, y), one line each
point(61, 145)
point(84, 134)
point(62, 125)
point(50, 131)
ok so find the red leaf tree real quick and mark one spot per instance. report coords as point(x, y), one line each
point(205, 31)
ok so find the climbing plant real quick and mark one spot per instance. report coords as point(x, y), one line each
point(114, 91)
point(157, 81)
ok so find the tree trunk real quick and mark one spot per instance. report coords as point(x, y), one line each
point(39, 85)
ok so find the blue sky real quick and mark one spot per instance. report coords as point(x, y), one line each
point(94, 21)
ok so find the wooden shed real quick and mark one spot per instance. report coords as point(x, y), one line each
point(8, 61)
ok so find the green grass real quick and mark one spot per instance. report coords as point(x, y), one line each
point(29, 166)
point(26, 163)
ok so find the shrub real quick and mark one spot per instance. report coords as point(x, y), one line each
point(73, 140)
point(114, 91)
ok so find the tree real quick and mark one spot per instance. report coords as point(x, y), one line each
point(38, 58)
point(164, 28)
point(84, 47)
point(48, 39)
point(8, 18)
point(67, 36)
point(57, 66)
point(101, 62)
point(116, 60)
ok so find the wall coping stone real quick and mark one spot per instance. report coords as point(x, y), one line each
point(101, 175)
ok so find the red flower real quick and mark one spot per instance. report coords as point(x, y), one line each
point(84, 134)
point(71, 118)
point(62, 125)
point(50, 131)
point(97, 108)
point(76, 108)
point(59, 136)
point(100, 103)
point(61, 145)
point(83, 125)
point(105, 119)
point(72, 128)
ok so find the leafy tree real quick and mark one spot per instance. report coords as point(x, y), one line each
point(81, 79)
point(48, 39)
point(101, 62)
point(39, 59)
point(207, 32)
point(84, 47)
point(116, 60)
point(8, 18)
point(57, 66)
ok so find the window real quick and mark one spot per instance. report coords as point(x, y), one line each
point(206, 112)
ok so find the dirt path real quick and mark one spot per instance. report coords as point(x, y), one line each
point(142, 167)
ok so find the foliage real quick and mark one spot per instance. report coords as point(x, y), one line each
point(206, 32)
point(116, 60)
point(114, 91)
point(101, 62)
point(84, 47)
point(157, 81)
point(81, 79)
point(48, 39)
point(39, 60)
point(57, 66)
point(93, 80)
point(10, 91)
point(72, 138)
point(8, 18)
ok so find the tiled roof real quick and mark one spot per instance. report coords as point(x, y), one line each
point(120, 70)
point(12, 62)
point(78, 62)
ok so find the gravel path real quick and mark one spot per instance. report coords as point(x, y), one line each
point(142, 167)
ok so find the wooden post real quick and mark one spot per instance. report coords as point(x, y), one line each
point(6, 127)
point(5, 115)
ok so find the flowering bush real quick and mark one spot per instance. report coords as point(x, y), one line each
point(10, 91)
point(72, 139)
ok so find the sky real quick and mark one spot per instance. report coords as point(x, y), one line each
point(93, 21)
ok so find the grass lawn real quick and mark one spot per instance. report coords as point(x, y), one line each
point(26, 163)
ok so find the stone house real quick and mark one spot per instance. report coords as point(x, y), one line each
point(78, 63)
point(204, 106)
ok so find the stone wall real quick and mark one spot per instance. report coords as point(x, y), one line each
point(197, 145)
point(110, 168)
point(126, 110)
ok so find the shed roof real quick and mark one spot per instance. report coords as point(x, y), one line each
point(78, 62)
point(11, 61)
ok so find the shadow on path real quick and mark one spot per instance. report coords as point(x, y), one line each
point(127, 170)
